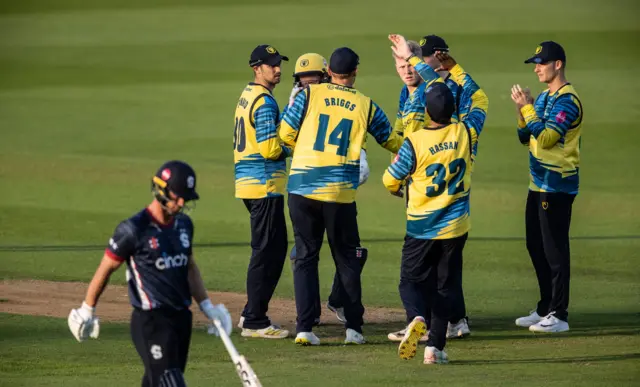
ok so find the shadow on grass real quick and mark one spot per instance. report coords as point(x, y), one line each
point(504, 328)
point(554, 360)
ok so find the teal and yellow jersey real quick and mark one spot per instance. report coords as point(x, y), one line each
point(552, 128)
point(327, 127)
point(410, 116)
point(437, 166)
point(260, 166)
point(411, 107)
point(470, 98)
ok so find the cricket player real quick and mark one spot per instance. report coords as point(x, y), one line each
point(311, 68)
point(437, 66)
point(551, 127)
point(327, 125)
point(436, 161)
point(162, 275)
point(260, 173)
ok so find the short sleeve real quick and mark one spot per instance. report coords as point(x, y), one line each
point(123, 242)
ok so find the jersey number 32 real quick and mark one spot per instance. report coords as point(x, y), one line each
point(441, 179)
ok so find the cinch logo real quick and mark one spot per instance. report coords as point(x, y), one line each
point(172, 262)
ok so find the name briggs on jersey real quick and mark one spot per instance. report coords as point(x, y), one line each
point(169, 262)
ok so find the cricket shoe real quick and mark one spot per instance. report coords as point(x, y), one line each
point(307, 338)
point(458, 330)
point(409, 344)
point(354, 337)
point(271, 332)
point(527, 321)
point(338, 311)
point(550, 324)
point(399, 335)
point(433, 355)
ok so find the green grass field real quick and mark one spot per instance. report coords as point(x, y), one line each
point(95, 95)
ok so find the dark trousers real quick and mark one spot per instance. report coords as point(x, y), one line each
point(162, 339)
point(269, 252)
point(431, 274)
point(310, 219)
point(548, 217)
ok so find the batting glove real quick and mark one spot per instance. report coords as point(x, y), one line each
point(83, 324)
point(364, 167)
point(216, 312)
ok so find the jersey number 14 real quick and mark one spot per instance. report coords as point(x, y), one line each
point(339, 135)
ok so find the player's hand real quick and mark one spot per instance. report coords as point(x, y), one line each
point(399, 193)
point(364, 167)
point(216, 312)
point(446, 61)
point(400, 47)
point(296, 89)
point(83, 324)
point(520, 96)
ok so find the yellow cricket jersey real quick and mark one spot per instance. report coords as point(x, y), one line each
point(259, 157)
point(552, 128)
point(327, 126)
point(437, 163)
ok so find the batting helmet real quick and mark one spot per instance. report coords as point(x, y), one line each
point(310, 63)
point(177, 177)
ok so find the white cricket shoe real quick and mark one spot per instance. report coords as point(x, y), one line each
point(339, 313)
point(550, 324)
point(354, 337)
point(271, 332)
point(409, 344)
point(307, 338)
point(458, 330)
point(432, 355)
point(399, 335)
point(529, 320)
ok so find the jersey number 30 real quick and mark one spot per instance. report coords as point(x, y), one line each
point(339, 135)
point(239, 136)
point(440, 179)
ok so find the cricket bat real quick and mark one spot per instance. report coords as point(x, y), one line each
point(243, 369)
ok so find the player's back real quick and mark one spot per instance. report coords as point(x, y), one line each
point(326, 160)
point(438, 193)
point(255, 176)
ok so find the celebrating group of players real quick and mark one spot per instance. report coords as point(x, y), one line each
point(440, 117)
point(323, 129)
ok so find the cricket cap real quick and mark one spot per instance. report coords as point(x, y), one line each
point(440, 103)
point(546, 52)
point(266, 54)
point(343, 61)
point(432, 43)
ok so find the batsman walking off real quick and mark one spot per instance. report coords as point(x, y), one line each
point(162, 276)
point(327, 126)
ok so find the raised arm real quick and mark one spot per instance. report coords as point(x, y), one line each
point(293, 118)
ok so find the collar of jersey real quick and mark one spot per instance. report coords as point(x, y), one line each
point(156, 221)
point(263, 86)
